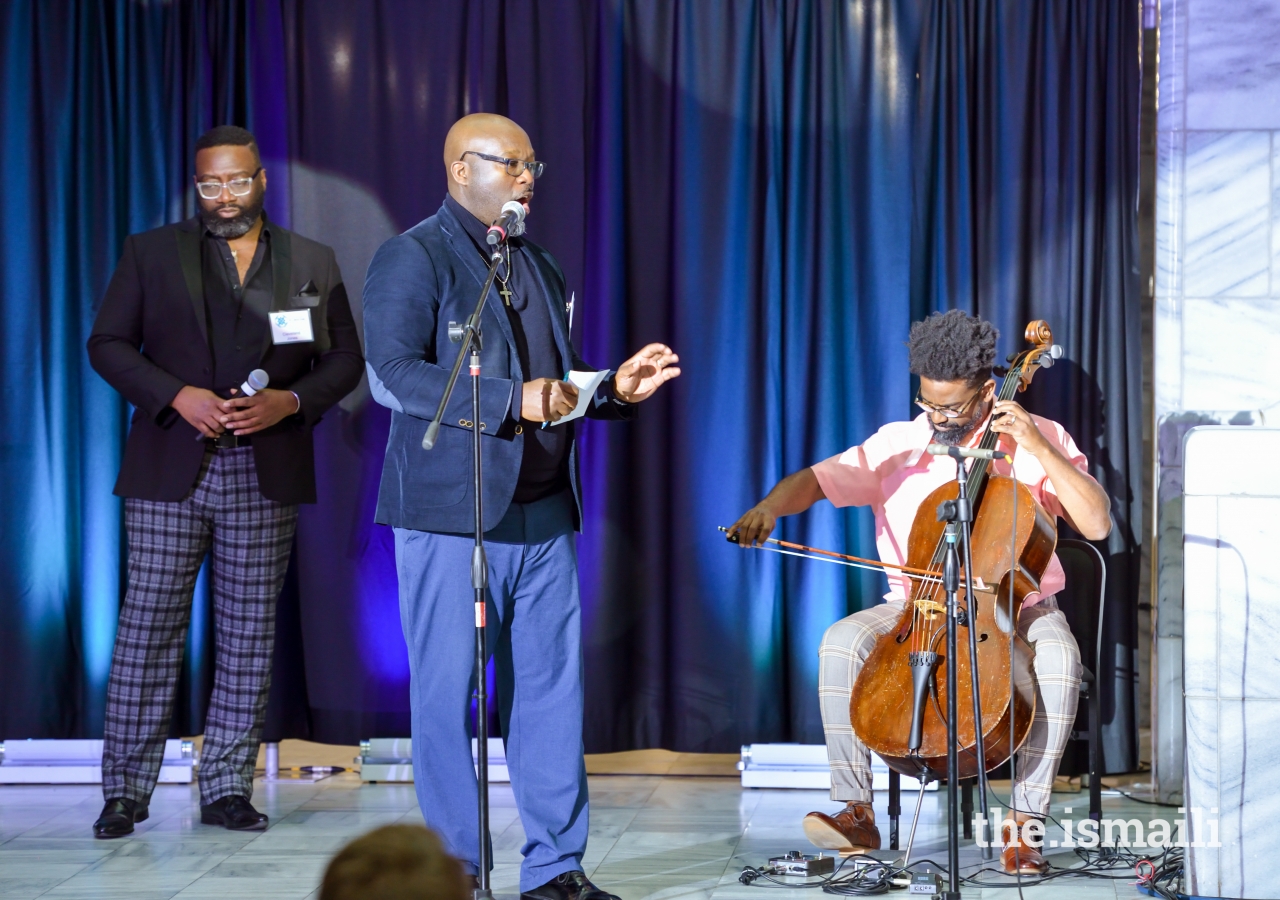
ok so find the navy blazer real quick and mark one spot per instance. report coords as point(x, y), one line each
point(418, 283)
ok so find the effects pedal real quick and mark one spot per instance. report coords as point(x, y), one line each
point(925, 882)
point(797, 864)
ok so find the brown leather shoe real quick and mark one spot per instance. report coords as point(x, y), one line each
point(1019, 857)
point(851, 831)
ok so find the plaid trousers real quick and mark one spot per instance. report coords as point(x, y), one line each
point(846, 645)
point(251, 538)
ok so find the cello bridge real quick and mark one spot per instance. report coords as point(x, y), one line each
point(929, 608)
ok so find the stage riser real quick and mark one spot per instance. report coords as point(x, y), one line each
point(80, 762)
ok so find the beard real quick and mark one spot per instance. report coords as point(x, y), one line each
point(237, 226)
point(954, 433)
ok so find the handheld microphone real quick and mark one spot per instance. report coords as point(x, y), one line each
point(966, 452)
point(509, 224)
point(257, 380)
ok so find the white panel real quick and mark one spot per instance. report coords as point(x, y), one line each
point(1200, 593)
point(1232, 612)
point(1226, 460)
point(1248, 597)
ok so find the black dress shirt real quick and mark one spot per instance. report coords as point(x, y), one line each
point(237, 313)
point(544, 467)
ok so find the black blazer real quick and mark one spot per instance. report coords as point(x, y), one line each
point(150, 339)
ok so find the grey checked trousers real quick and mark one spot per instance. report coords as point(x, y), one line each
point(250, 538)
point(846, 645)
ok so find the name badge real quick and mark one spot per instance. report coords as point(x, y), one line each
point(291, 326)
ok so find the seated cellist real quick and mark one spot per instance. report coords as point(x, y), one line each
point(953, 354)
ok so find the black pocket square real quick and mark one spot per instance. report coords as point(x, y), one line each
point(308, 295)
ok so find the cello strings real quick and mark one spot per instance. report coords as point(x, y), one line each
point(928, 597)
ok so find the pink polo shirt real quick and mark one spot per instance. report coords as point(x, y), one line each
point(893, 475)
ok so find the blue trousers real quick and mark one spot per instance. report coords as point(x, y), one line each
point(534, 634)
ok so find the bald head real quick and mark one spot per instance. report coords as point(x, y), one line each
point(481, 185)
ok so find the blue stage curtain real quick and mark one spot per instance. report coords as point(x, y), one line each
point(751, 181)
point(1027, 184)
point(101, 103)
point(733, 179)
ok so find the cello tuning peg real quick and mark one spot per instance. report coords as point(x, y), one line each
point(1056, 351)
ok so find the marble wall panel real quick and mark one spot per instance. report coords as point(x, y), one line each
point(1231, 781)
point(1171, 148)
point(1201, 791)
point(1232, 64)
point(1226, 240)
point(1230, 353)
point(1275, 212)
point(1172, 60)
point(1217, 361)
point(1168, 355)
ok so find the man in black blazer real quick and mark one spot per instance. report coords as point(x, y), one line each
point(417, 284)
point(209, 466)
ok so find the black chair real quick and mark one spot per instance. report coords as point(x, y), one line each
point(1082, 601)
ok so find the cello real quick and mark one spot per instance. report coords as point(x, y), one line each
point(898, 699)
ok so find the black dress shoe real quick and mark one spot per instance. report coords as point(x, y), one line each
point(568, 886)
point(118, 818)
point(233, 813)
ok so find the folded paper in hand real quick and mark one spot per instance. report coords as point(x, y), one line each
point(587, 384)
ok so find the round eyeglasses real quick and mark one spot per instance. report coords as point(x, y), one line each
point(239, 187)
point(515, 167)
point(949, 411)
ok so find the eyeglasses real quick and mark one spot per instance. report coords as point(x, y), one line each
point(515, 167)
point(949, 411)
point(239, 187)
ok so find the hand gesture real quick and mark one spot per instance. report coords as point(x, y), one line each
point(1010, 418)
point(755, 525)
point(201, 409)
point(546, 400)
point(641, 375)
point(245, 415)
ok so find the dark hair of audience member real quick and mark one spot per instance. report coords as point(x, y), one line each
point(395, 862)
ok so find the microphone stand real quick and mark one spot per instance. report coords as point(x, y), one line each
point(951, 584)
point(468, 334)
point(958, 514)
point(964, 515)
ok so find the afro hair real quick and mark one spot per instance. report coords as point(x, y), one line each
point(953, 346)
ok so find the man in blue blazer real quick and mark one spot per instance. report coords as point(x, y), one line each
point(418, 283)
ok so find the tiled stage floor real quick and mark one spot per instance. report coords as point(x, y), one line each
point(651, 836)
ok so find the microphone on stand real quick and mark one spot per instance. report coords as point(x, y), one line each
point(967, 453)
point(509, 224)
